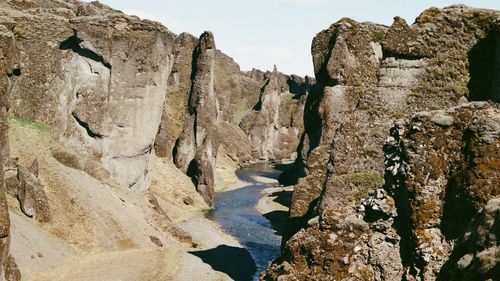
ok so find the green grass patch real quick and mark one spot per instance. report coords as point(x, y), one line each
point(240, 114)
point(378, 36)
point(27, 124)
point(364, 183)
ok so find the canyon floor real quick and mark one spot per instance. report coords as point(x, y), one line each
point(85, 242)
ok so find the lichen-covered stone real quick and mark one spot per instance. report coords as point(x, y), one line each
point(369, 76)
point(476, 255)
point(441, 176)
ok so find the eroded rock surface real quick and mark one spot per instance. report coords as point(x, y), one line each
point(346, 223)
point(24, 185)
point(237, 95)
point(475, 256)
point(195, 150)
point(275, 125)
point(94, 75)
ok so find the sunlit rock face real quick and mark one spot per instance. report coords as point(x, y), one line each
point(392, 148)
point(204, 79)
point(96, 77)
point(195, 152)
point(275, 125)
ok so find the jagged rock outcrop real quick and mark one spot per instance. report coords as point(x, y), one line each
point(236, 93)
point(24, 185)
point(368, 76)
point(96, 76)
point(8, 72)
point(441, 169)
point(475, 256)
point(195, 150)
point(275, 125)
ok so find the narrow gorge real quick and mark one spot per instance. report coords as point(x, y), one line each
point(129, 152)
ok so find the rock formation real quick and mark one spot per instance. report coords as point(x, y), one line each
point(275, 125)
point(24, 185)
point(345, 222)
point(94, 75)
point(475, 256)
point(8, 72)
point(237, 93)
point(195, 150)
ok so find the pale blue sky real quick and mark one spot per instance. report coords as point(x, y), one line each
point(260, 33)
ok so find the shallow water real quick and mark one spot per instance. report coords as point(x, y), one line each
point(236, 214)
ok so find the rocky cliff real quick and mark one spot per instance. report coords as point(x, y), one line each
point(276, 122)
point(195, 151)
point(96, 76)
point(241, 113)
point(362, 210)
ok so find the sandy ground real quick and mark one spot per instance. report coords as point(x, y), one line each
point(100, 231)
point(225, 176)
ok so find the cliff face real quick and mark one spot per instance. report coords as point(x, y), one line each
point(8, 71)
point(236, 94)
point(195, 151)
point(368, 76)
point(275, 125)
point(244, 110)
point(94, 75)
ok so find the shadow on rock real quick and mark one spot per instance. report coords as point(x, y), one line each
point(283, 197)
point(278, 220)
point(233, 261)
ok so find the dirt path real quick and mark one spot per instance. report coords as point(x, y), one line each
point(141, 264)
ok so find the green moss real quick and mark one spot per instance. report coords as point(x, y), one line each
point(240, 114)
point(378, 36)
point(364, 182)
point(287, 100)
point(27, 124)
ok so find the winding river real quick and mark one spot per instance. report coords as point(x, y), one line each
point(235, 212)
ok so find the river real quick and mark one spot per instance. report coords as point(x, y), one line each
point(235, 212)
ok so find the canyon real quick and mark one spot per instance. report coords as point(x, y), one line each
point(117, 136)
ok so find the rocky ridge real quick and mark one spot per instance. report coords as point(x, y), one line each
point(195, 151)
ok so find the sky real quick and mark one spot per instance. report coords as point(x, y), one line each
point(263, 33)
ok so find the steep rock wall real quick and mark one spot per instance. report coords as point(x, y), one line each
point(275, 125)
point(94, 75)
point(368, 76)
point(195, 150)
